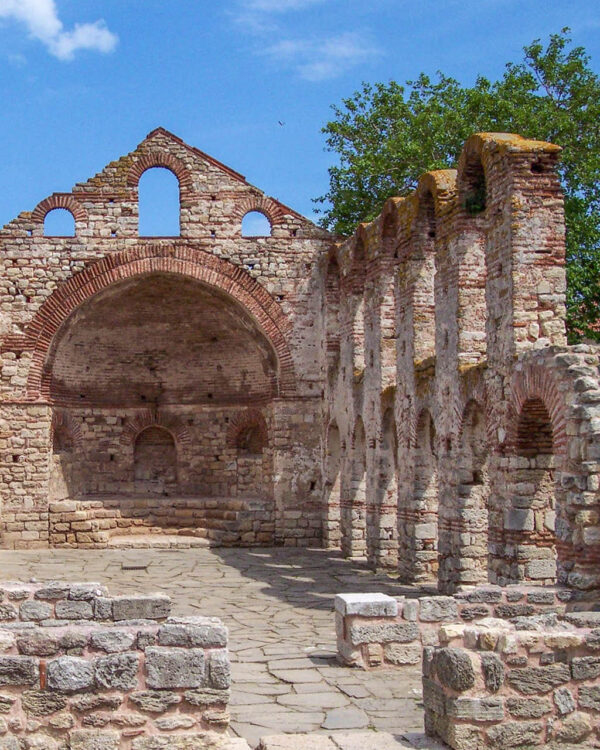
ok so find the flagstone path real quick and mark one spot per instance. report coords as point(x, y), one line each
point(278, 605)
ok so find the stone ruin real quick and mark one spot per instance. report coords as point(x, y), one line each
point(85, 671)
point(406, 395)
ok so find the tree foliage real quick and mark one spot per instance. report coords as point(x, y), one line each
point(387, 135)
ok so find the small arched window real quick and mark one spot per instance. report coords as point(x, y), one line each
point(474, 188)
point(155, 460)
point(62, 442)
point(159, 203)
point(59, 223)
point(256, 224)
point(251, 441)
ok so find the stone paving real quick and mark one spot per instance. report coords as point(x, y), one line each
point(278, 605)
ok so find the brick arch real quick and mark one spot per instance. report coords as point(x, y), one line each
point(419, 421)
point(243, 420)
point(536, 383)
point(441, 184)
point(151, 418)
point(152, 159)
point(63, 420)
point(179, 259)
point(270, 208)
point(472, 403)
point(356, 267)
point(59, 200)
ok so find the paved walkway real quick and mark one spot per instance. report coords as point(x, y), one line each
point(278, 605)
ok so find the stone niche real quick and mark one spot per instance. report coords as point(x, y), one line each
point(81, 670)
point(147, 380)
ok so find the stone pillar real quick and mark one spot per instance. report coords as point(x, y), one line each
point(25, 442)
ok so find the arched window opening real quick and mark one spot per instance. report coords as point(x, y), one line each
point(473, 491)
point(256, 224)
point(65, 479)
point(422, 269)
point(354, 511)
point(357, 301)
point(62, 442)
point(155, 462)
point(59, 223)
point(331, 526)
point(425, 498)
point(389, 235)
point(254, 468)
point(474, 188)
point(534, 433)
point(159, 203)
point(251, 441)
point(530, 522)
point(385, 543)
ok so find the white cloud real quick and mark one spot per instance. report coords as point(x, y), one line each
point(314, 58)
point(258, 16)
point(277, 6)
point(323, 58)
point(43, 23)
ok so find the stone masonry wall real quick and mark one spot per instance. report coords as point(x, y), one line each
point(375, 630)
point(496, 685)
point(87, 348)
point(451, 361)
point(83, 670)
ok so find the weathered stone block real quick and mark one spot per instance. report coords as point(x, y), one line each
point(74, 610)
point(38, 643)
point(19, 670)
point(117, 671)
point(516, 734)
point(402, 653)
point(564, 701)
point(42, 702)
point(35, 610)
point(585, 667)
point(475, 709)
point(208, 632)
point(84, 739)
point(383, 632)
point(438, 609)
point(589, 697)
point(156, 607)
point(70, 674)
point(112, 641)
point(493, 672)
point(366, 605)
point(528, 708)
point(536, 680)
point(219, 669)
point(175, 668)
point(155, 701)
point(454, 669)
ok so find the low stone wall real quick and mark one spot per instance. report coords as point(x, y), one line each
point(499, 685)
point(375, 630)
point(81, 670)
point(220, 520)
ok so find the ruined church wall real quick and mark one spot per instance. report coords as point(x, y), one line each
point(475, 262)
point(43, 280)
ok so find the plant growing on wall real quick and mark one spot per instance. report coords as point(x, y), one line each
point(387, 134)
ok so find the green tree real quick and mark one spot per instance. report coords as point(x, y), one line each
point(387, 135)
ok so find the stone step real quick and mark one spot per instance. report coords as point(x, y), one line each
point(349, 741)
point(157, 541)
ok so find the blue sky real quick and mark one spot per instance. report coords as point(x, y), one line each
point(83, 81)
